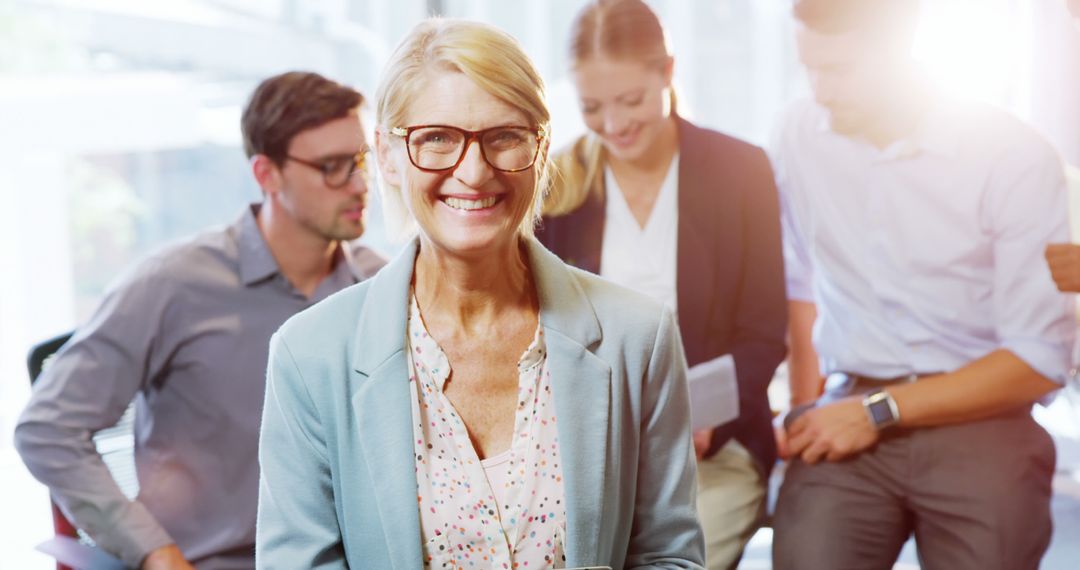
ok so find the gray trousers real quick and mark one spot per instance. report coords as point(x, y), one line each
point(975, 495)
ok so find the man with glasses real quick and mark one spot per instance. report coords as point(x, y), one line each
point(185, 334)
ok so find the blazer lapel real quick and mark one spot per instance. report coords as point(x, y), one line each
point(582, 389)
point(381, 401)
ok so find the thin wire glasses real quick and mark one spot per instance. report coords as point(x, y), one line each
point(435, 148)
point(338, 170)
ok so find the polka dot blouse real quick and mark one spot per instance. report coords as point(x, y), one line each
point(506, 511)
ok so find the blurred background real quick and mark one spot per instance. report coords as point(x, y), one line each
point(119, 131)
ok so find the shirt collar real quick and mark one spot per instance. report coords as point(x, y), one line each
point(256, 261)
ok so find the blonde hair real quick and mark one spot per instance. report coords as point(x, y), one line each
point(626, 30)
point(491, 58)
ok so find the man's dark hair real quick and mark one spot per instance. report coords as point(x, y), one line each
point(839, 16)
point(284, 105)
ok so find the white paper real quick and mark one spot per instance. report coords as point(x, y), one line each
point(714, 393)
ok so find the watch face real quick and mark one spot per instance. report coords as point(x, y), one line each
point(880, 412)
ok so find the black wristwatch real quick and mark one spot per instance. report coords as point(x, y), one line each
point(881, 409)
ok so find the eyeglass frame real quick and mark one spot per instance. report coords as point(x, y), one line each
point(359, 164)
point(470, 136)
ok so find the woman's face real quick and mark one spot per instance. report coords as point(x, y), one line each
point(471, 208)
point(624, 102)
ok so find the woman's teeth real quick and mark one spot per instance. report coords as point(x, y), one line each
point(464, 204)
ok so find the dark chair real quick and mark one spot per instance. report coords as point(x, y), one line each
point(115, 444)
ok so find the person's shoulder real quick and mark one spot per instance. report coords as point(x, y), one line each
point(999, 132)
point(182, 262)
point(717, 140)
point(801, 118)
point(364, 260)
point(334, 319)
point(621, 311)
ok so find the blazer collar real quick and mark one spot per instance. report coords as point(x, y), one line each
point(563, 305)
point(380, 330)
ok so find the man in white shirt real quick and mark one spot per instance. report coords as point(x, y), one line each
point(914, 229)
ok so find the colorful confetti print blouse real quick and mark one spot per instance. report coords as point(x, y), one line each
point(506, 511)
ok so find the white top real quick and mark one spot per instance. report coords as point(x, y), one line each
point(643, 259)
point(507, 511)
point(929, 254)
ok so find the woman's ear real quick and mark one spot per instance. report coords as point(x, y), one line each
point(669, 71)
point(384, 155)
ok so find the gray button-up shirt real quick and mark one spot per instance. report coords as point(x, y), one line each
point(185, 334)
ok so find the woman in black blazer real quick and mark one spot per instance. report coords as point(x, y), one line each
point(690, 216)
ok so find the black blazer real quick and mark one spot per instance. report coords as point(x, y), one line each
point(730, 281)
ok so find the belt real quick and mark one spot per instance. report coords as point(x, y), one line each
point(843, 383)
point(840, 385)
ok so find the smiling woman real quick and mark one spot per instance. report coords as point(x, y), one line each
point(465, 196)
point(688, 216)
point(477, 403)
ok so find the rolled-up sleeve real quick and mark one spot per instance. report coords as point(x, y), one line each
point(798, 270)
point(87, 388)
point(1027, 208)
point(666, 532)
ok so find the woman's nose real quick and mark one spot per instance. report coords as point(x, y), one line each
point(473, 170)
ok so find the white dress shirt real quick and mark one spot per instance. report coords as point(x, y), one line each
point(928, 254)
point(643, 259)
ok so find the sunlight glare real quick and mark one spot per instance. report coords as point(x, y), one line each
point(973, 48)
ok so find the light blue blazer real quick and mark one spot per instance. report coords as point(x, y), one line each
point(338, 483)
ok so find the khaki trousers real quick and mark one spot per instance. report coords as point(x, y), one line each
point(731, 504)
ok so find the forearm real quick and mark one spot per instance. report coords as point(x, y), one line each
point(67, 462)
point(804, 373)
point(995, 383)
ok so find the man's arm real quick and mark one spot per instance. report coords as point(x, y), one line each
point(1063, 259)
point(995, 383)
point(804, 373)
point(86, 389)
point(804, 369)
